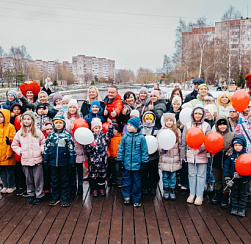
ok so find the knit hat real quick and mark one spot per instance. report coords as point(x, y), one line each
point(58, 117)
point(30, 113)
point(12, 92)
point(17, 105)
point(66, 98)
point(198, 80)
point(135, 113)
point(208, 98)
point(96, 122)
point(148, 115)
point(169, 116)
point(238, 140)
point(97, 103)
point(40, 105)
point(48, 125)
point(232, 109)
point(222, 122)
point(43, 92)
point(155, 93)
point(198, 110)
point(116, 126)
point(143, 89)
point(203, 85)
point(210, 108)
point(56, 96)
point(135, 122)
point(176, 99)
point(73, 102)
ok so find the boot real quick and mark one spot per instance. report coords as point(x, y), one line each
point(172, 194)
point(93, 188)
point(80, 190)
point(241, 212)
point(234, 210)
point(166, 193)
point(217, 197)
point(225, 200)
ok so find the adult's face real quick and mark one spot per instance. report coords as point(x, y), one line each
point(42, 98)
point(112, 93)
point(195, 86)
point(203, 91)
point(176, 93)
point(130, 99)
point(153, 98)
point(142, 96)
point(93, 94)
point(29, 95)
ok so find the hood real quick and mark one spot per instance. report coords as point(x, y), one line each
point(19, 105)
point(216, 121)
point(143, 121)
point(58, 117)
point(6, 114)
point(203, 116)
point(139, 132)
point(244, 143)
point(219, 99)
point(106, 100)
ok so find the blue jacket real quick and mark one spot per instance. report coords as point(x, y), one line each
point(91, 115)
point(229, 164)
point(133, 150)
point(239, 121)
point(8, 104)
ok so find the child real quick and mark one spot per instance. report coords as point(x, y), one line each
point(70, 117)
point(224, 104)
point(11, 99)
point(197, 159)
point(29, 144)
point(134, 113)
point(95, 112)
point(48, 129)
point(169, 161)
point(133, 152)
point(16, 109)
point(176, 109)
point(209, 118)
point(65, 100)
point(221, 196)
point(150, 176)
point(41, 116)
point(60, 153)
point(57, 99)
point(97, 157)
point(7, 157)
point(238, 183)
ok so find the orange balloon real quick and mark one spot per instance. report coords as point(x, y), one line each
point(79, 123)
point(105, 127)
point(194, 137)
point(243, 164)
point(240, 100)
point(17, 122)
point(214, 142)
point(86, 164)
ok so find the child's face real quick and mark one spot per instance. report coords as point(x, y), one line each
point(97, 130)
point(58, 102)
point(149, 121)
point(224, 99)
point(176, 106)
point(197, 116)
point(16, 110)
point(27, 120)
point(238, 147)
point(208, 115)
point(1, 118)
point(59, 125)
point(64, 103)
point(72, 109)
point(95, 109)
point(169, 123)
point(233, 115)
point(11, 97)
point(115, 131)
point(40, 111)
point(131, 128)
point(222, 127)
point(49, 131)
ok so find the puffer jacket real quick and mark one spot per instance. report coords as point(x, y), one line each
point(189, 154)
point(170, 159)
point(228, 136)
point(6, 129)
point(133, 150)
point(113, 145)
point(159, 109)
point(126, 117)
point(239, 130)
point(142, 106)
point(40, 120)
point(115, 104)
point(59, 147)
point(30, 148)
point(91, 116)
point(8, 104)
point(229, 164)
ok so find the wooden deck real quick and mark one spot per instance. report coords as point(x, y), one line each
point(107, 220)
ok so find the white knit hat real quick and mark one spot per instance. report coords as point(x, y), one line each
point(210, 109)
point(176, 99)
point(66, 98)
point(96, 122)
point(73, 102)
point(134, 113)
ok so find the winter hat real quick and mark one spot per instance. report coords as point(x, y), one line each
point(30, 113)
point(97, 103)
point(208, 98)
point(40, 105)
point(116, 126)
point(135, 122)
point(143, 89)
point(73, 102)
point(56, 96)
point(222, 122)
point(148, 115)
point(48, 125)
point(66, 98)
point(203, 85)
point(58, 117)
point(96, 122)
point(169, 116)
point(135, 113)
point(12, 92)
point(176, 99)
point(198, 110)
point(232, 109)
point(198, 80)
point(210, 108)
point(155, 93)
point(42, 92)
point(17, 105)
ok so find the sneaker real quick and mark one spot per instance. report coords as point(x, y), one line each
point(190, 199)
point(94, 193)
point(4, 190)
point(217, 197)
point(11, 190)
point(172, 194)
point(25, 194)
point(54, 202)
point(234, 211)
point(65, 204)
point(37, 201)
point(20, 192)
point(166, 194)
point(136, 204)
point(241, 212)
point(153, 191)
point(30, 199)
point(198, 201)
point(102, 192)
point(127, 200)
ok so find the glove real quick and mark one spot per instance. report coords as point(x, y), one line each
point(94, 143)
point(7, 141)
point(229, 183)
point(236, 175)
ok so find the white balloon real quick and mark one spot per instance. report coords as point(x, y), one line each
point(166, 139)
point(83, 136)
point(185, 115)
point(152, 144)
point(162, 120)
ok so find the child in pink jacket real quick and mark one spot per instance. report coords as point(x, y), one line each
point(29, 144)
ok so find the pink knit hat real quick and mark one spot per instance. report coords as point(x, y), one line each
point(155, 93)
point(73, 102)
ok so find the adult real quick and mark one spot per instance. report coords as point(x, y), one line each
point(244, 114)
point(11, 99)
point(113, 104)
point(92, 95)
point(129, 104)
point(175, 92)
point(234, 119)
point(30, 90)
point(194, 93)
point(157, 106)
point(143, 101)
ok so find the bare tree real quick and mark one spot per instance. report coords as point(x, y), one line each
point(231, 14)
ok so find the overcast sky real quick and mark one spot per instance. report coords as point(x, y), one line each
point(135, 33)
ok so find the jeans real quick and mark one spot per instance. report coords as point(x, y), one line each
point(150, 176)
point(169, 179)
point(131, 185)
point(239, 194)
point(7, 176)
point(210, 175)
point(197, 178)
point(77, 169)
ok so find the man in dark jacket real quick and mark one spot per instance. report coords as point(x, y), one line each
point(194, 93)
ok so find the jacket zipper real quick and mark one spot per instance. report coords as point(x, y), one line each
point(131, 151)
point(57, 152)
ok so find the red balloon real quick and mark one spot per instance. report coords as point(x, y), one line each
point(240, 100)
point(17, 122)
point(105, 127)
point(86, 164)
point(79, 123)
point(243, 164)
point(214, 142)
point(194, 137)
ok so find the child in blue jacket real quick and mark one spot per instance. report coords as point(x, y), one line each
point(133, 152)
point(238, 183)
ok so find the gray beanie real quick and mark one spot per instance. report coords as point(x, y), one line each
point(143, 89)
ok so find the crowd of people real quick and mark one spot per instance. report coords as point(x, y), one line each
point(40, 155)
